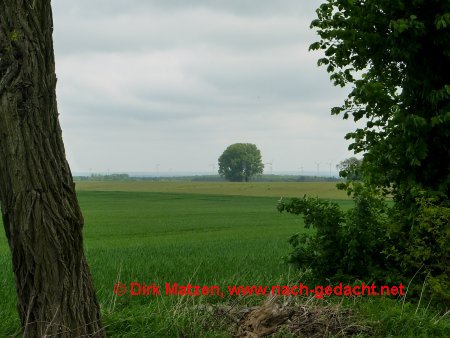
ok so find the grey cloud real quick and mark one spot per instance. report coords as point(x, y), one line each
point(166, 78)
point(240, 7)
point(147, 31)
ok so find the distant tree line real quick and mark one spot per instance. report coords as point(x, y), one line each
point(204, 178)
point(102, 177)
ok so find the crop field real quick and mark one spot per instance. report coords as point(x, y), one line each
point(259, 189)
point(163, 232)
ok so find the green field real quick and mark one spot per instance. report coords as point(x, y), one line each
point(272, 189)
point(202, 233)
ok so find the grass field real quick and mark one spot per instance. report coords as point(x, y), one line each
point(203, 233)
point(272, 189)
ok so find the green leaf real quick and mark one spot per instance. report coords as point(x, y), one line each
point(314, 46)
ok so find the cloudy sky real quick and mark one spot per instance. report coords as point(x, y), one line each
point(166, 86)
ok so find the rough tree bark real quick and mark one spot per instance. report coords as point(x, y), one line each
point(41, 215)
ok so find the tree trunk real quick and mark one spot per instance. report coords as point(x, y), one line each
point(41, 215)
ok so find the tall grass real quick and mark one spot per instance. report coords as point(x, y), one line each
point(189, 236)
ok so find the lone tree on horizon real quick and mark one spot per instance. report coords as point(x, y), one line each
point(240, 161)
point(350, 168)
point(41, 215)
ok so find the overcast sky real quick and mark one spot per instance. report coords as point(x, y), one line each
point(167, 85)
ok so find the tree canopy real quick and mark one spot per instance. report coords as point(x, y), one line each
point(240, 161)
point(395, 54)
point(350, 168)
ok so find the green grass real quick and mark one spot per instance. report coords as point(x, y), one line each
point(157, 237)
point(203, 233)
point(172, 237)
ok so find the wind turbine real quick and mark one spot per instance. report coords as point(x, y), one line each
point(318, 167)
point(271, 166)
point(329, 163)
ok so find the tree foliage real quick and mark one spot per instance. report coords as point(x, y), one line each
point(350, 169)
point(395, 54)
point(240, 161)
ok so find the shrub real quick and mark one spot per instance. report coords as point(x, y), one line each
point(345, 243)
point(374, 242)
point(422, 243)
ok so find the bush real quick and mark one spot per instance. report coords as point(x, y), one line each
point(346, 243)
point(317, 251)
point(422, 243)
point(373, 242)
